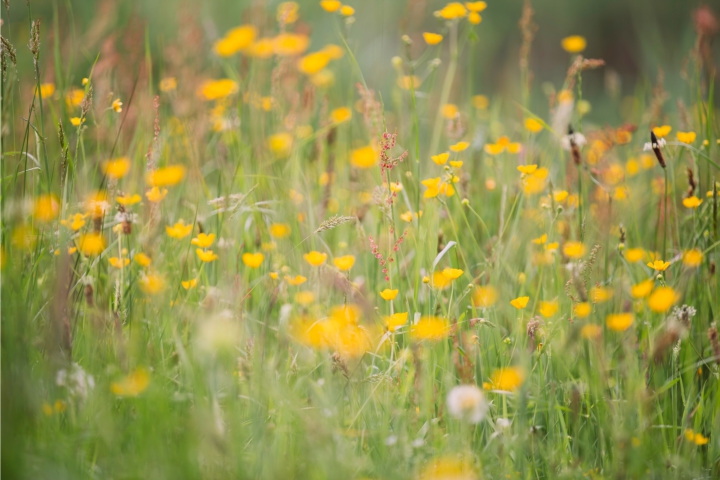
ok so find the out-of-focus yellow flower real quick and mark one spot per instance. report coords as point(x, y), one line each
point(296, 280)
point(305, 297)
point(128, 200)
point(117, 105)
point(261, 48)
point(662, 131)
point(91, 243)
point(331, 5)
point(287, 13)
point(619, 322)
point(168, 84)
point(634, 255)
point(590, 331)
point(519, 302)
point(436, 186)
point(452, 273)
point(189, 284)
point(340, 115)
point(217, 89)
point(642, 289)
point(74, 97)
point(532, 125)
point(527, 169)
point(441, 158)
point(452, 11)
point(206, 256)
point(659, 265)
point(574, 44)
point(166, 176)
point(280, 230)
point(480, 102)
point(574, 250)
point(152, 284)
point(582, 309)
point(315, 258)
point(179, 230)
point(347, 11)
point(662, 299)
point(235, 40)
point(364, 157)
point(474, 18)
point(484, 296)
point(47, 90)
point(76, 121)
point(76, 222)
point(253, 260)
point(119, 262)
point(280, 144)
point(541, 240)
point(432, 38)
point(439, 281)
point(142, 259)
point(508, 379)
point(46, 208)
point(600, 294)
point(430, 328)
point(344, 263)
point(459, 147)
point(312, 63)
point(548, 309)
point(406, 82)
point(133, 384)
point(450, 111)
point(156, 195)
point(117, 168)
point(395, 321)
point(203, 240)
point(476, 6)
point(692, 202)
point(686, 137)
point(692, 258)
point(290, 44)
point(389, 294)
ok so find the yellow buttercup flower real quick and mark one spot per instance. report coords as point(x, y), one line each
point(548, 309)
point(574, 250)
point(295, 281)
point(619, 322)
point(133, 384)
point(600, 294)
point(430, 328)
point(662, 131)
point(480, 102)
point(142, 259)
point(662, 299)
point(168, 84)
point(527, 169)
point(152, 284)
point(533, 125)
point(686, 137)
point(46, 208)
point(520, 302)
point(280, 230)
point(634, 255)
point(280, 144)
point(476, 6)
point(76, 121)
point(156, 195)
point(432, 38)
point(364, 157)
point(179, 230)
point(590, 331)
point(459, 147)
point(395, 321)
point(342, 114)
point(347, 10)
point(582, 309)
point(91, 243)
point(484, 296)
point(290, 44)
point(47, 90)
point(406, 82)
point(388, 294)
point(312, 63)
point(253, 260)
point(344, 263)
point(452, 273)
point(508, 379)
point(450, 111)
point(76, 222)
point(541, 240)
point(315, 258)
point(453, 10)
point(217, 89)
point(117, 105)
point(474, 18)
point(119, 262)
point(642, 289)
point(331, 5)
point(692, 258)
point(659, 265)
point(206, 255)
point(117, 168)
point(203, 240)
point(692, 202)
point(166, 176)
point(574, 44)
point(189, 284)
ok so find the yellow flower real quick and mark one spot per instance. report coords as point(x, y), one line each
point(590, 331)
point(117, 168)
point(634, 255)
point(331, 5)
point(574, 44)
point(450, 111)
point(430, 328)
point(335, 52)
point(476, 6)
point(312, 63)
point(91, 243)
point(699, 439)
point(452, 273)
point(642, 289)
point(541, 240)
point(480, 102)
point(203, 240)
point(686, 137)
point(494, 148)
point(235, 40)
point(692, 258)
point(76, 121)
point(340, 115)
point(295, 281)
point(117, 105)
point(388, 294)
point(533, 125)
point(253, 260)
point(46, 208)
point(692, 202)
point(289, 44)
point(406, 82)
point(217, 89)
point(305, 297)
point(128, 200)
point(152, 284)
point(396, 320)
point(659, 265)
point(206, 255)
point(520, 302)
point(47, 90)
point(261, 48)
point(441, 158)
point(168, 84)
point(459, 147)
point(133, 384)
point(346, 10)
point(166, 176)
point(315, 258)
point(453, 10)
point(600, 294)
point(508, 379)
point(119, 262)
point(456, 164)
point(527, 169)
point(432, 38)
point(662, 299)
point(484, 296)
point(474, 18)
point(156, 195)
point(582, 309)
point(189, 284)
point(142, 259)
point(439, 281)
point(75, 97)
point(574, 250)
point(662, 131)
point(364, 157)
point(548, 309)
point(345, 262)
point(280, 230)
point(76, 222)
point(280, 144)
point(619, 322)
point(179, 230)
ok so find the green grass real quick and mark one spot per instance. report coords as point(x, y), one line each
point(237, 386)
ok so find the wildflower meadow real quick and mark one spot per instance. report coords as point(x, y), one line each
point(400, 239)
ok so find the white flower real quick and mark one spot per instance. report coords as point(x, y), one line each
point(577, 138)
point(76, 380)
point(651, 146)
point(467, 402)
